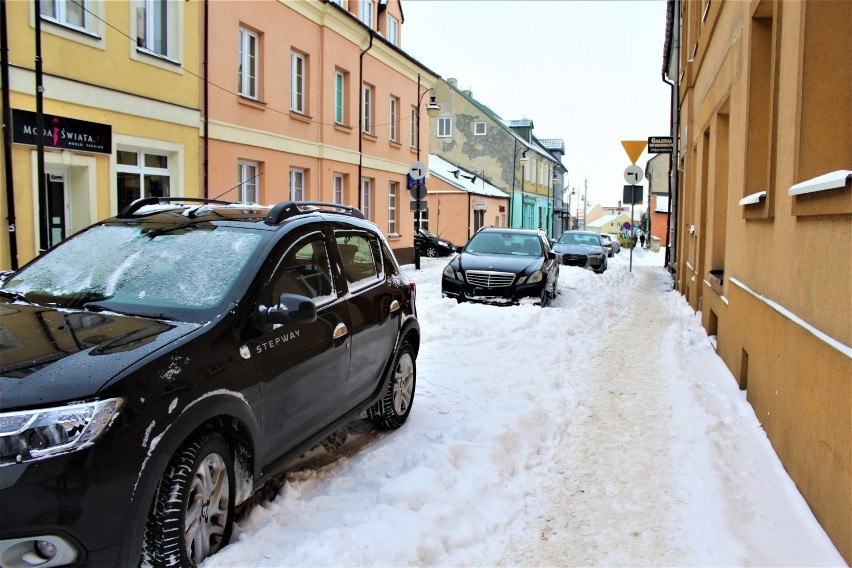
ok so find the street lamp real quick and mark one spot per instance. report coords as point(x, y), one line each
point(431, 109)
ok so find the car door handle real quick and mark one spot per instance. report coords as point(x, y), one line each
point(394, 307)
point(340, 330)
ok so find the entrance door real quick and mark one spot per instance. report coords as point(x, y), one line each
point(57, 192)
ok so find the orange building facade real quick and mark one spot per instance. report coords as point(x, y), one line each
point(314, 101)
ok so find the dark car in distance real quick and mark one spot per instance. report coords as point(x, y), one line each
point(161, 365)
point(582, 248)
point(503, 266)
point(431, 245)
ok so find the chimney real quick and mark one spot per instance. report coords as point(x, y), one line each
point(453, 82)
point(468, 93)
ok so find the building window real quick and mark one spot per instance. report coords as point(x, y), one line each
point(479, 129)
point(393, 31)
point(297, 184)
point(297, 82)
point(339, 97)
point(69, 13)
point(367, 109)
point(424, 220)
point(393, 188)
point(445, 127)
point(413, 128)
point(366, 197)
point(366, 12)
point(152, 26)
point(338, 189)
point(478, 220)
point(141, 173)
point(394, 119)
point(247, 174)
point(248, 64)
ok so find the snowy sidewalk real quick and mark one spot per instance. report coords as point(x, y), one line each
point(601, 431)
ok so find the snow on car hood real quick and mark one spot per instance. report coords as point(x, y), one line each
point(574, 248)
point(52, 355)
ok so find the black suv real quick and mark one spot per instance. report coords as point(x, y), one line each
point(161, 365)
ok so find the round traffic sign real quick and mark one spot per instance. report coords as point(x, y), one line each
point(418, 191)
point(625, 226)
point(417, 170)
point(633, 174)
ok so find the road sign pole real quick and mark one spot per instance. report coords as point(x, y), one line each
point(632, 225)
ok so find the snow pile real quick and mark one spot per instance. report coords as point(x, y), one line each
point(601, 431)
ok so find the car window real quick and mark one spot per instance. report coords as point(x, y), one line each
point(495, 242)
point(144, 270)
point(306, 271)
point(361, 254)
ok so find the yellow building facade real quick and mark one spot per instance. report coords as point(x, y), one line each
point(120, 115)
point(763, 219)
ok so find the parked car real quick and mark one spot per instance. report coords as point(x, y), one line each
point(431, 245)
point(606, 242)
point(161, 365)
point(616, 244)
point(582, 248)
point(502, 266)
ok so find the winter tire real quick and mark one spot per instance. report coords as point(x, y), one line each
point(193, 510)
point(431, 252)
point(393, 410)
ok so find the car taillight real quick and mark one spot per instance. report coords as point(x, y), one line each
point(413, 290)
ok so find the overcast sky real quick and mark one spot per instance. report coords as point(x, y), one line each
point(588, 72)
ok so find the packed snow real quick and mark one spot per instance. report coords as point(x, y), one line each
point(601, 431)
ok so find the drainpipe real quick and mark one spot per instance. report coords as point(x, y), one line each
point(675, 127)
point(44, 214)
point(7, 140)
point(361, 114)
point(206, 141)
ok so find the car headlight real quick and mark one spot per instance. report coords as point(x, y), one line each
point(445, 244)
point(450, 273)
point(31, 435)
point(535, 277)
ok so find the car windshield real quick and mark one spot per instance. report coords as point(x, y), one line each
point(580, 239)
point(426, 233)
point(137, 270)
point(495, 242)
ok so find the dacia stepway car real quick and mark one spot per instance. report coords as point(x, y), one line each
point(161, 365)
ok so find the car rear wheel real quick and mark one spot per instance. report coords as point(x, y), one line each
point(431, 252)
point(193, 511)
point(393, 410)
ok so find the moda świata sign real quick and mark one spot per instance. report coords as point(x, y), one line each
point(61, 132)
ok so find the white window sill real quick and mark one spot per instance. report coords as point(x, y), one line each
point(831, 180)
point(753, 198)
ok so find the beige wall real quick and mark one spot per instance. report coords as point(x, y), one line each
point(451, 213)
point(779, 298)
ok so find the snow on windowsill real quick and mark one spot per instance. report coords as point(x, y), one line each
point(753, 198)
point(831, 180)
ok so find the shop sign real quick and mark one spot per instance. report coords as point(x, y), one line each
point(61, 132)
point(480, 205)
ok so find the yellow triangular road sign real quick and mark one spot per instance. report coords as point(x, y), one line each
point(634, 148)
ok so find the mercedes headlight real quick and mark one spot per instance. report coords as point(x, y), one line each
point(31, 435)
point(450, 273)
point(535, 277)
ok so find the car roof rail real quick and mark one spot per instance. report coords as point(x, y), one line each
point(287, 209)
point(138, 204)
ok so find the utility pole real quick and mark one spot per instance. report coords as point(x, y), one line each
point(585, 203)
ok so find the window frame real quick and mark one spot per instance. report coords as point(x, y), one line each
point(442, 130)
point(339, 97)
point(413, 128)
point(367, 108)
point(476, 126)
point(245, 182)
point(393, 194)
point(393, 128)
point(143, 171)
point(366, 197)
point(338, 185)
point(250, 61)
point(365, 13)
point(297, 192)
point(149, 27)
point(393, 30)
point(298, 81)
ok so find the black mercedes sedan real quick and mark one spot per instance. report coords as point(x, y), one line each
point(503, 266)
point(582, 248)
point(431, 245)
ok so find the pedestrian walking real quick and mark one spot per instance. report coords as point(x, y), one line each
point(642, 240)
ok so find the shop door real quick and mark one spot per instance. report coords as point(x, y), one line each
point(57, 192)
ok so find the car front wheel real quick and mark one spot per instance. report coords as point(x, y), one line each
point(431, 252)
point(393, 410)
point(193, 511)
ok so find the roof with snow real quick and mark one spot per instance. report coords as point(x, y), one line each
point(461, 178)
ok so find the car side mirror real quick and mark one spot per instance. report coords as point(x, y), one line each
point(459, 249)
point(551, 255)
point(291, 308)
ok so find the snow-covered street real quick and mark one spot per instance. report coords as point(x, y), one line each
point(601, 431)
